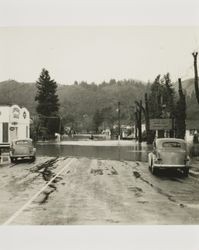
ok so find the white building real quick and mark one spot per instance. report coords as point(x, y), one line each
point(14, 124)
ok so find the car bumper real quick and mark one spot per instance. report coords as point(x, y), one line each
point(163, 166)
point(22, 156)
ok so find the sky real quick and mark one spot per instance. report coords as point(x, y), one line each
point(97, 40)
point(97, 53)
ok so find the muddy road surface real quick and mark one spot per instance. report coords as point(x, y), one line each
point(85, 191)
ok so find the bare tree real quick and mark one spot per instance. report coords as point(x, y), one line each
point(139, 110)
point(196, 75)
point(180, 113)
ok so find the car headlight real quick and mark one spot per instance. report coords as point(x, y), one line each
point(187, 160)
point(158, 159)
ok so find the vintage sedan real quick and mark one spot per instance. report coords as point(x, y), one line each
point(169, 153)
point(22, 149)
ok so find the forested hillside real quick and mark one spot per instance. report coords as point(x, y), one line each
point(23, 94)
point(192, 105)
point(80, 102)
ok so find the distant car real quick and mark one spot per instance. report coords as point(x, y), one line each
point(22, 149)
point(169, 153)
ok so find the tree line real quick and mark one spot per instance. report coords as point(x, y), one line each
point(84, 107)
point(91, 107)
point(162, 102)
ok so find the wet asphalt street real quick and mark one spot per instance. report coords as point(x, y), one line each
point(86, 191)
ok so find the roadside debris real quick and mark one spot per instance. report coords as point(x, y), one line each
point(136, 174)
point(97, 171)
point(45, 169)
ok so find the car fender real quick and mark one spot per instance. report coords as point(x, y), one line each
point(153, 157)
point(150, 157)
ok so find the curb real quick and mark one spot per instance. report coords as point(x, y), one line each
point(194, 173)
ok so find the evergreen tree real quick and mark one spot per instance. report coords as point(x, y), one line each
point(162, 100)
point(155, 98)
point(48, 102)
point(180, 113)
point(168, 97)
point(168, 101)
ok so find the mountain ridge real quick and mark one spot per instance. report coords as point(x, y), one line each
point(82, 99)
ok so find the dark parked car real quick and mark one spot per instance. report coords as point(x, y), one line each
point(22, 149)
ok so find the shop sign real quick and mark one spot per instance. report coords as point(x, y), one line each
point(160, 124)
point(16, 112)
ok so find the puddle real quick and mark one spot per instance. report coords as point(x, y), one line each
point(196, 206)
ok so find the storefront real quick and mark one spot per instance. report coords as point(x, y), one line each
point(14, 124)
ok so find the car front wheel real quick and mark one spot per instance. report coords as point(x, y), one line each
point(33, 158)
point(186, 172)
point(153, 169)
point(13, 159)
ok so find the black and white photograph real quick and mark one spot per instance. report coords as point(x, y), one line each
point(99, 122)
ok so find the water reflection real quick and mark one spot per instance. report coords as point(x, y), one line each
point(136, 152)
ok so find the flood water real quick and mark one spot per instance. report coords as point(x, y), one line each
point(135, 152)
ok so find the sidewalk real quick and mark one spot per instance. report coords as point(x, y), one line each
point(194, 170)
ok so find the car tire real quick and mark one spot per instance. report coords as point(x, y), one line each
point(33, 158)
point(153, 169)
point(13, 159)
point(185, 172)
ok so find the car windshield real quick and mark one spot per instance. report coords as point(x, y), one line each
point(23, 142)
point(171, 144)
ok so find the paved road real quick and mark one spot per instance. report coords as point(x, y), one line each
point(61, 191)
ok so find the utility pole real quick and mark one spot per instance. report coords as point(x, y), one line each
point(139, 109)
point(136, 123)
point(119, 133)
point(60, 118)
point(140, 123)
point(196, 75)
point(147, 119)
point(180, 125)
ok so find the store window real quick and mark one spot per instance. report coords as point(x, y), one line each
point(27, 132)
point(5, 132)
